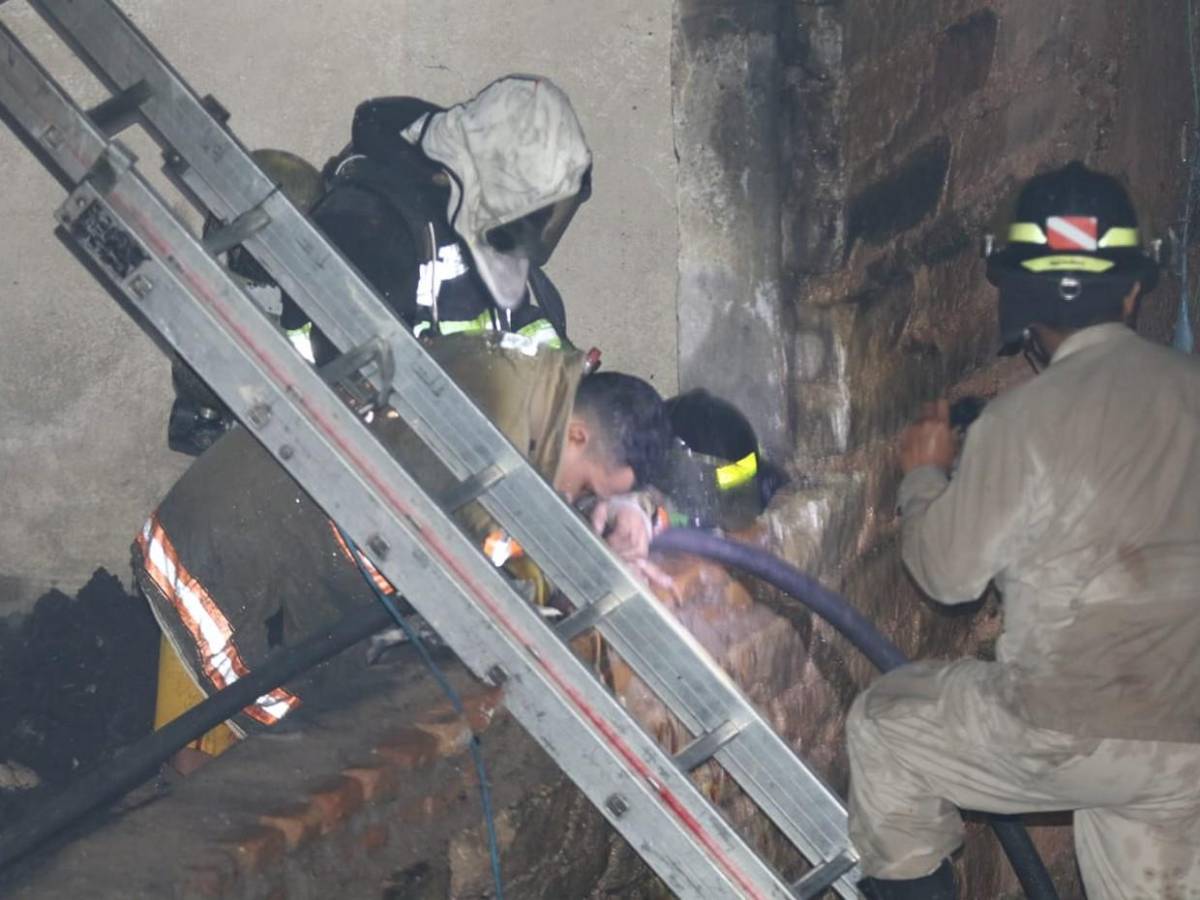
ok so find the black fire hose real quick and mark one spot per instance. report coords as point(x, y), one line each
point(140, 761)
point(1013, 837)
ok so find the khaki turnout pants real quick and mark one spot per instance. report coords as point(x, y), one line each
point(930, 737)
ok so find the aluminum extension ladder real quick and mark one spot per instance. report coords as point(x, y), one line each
point(177, 284)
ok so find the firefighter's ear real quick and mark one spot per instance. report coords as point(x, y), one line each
point(578, 435)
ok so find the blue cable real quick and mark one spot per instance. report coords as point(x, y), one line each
point(1184, 339)
point(476, 746)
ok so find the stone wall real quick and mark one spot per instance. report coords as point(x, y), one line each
point(84, 394)
point(849, 247)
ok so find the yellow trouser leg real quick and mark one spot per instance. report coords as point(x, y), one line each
point(177, 693)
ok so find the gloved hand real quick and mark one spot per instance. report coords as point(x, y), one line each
point(628, 529)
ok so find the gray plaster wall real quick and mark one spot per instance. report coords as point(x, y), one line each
point(731, 293)
point(84, 393)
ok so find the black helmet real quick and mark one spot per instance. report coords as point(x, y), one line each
point(715, 475)
point(1073, 251)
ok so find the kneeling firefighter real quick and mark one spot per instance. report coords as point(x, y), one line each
point(448, 213)
point(238, 561)
point(1074, 492)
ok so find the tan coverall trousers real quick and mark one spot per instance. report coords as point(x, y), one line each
point(930, 737)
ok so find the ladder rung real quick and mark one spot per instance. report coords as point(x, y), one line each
point(120, 110)
point(703, 748)
point(823, 876)
point(589, 616)
point(473, 487)
point(214, 108)
point(245, 226)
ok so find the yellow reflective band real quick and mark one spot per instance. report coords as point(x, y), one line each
point(737, 473)
point(542, 333)
point(1068, 263)
point(1120, 237)
point(481, 323)
point(1026, 233)
point(301, 339)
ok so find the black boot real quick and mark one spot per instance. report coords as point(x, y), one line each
point(192, 429)
point(938, 886)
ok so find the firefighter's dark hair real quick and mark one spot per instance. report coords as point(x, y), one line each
point(630, 419)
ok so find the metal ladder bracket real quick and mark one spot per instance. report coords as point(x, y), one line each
point(588, 617)
point(707, 745)
point(91, 225)
point(119, 111)
point(475, 486)
point(348, 373)
point(821, 878)
point(245, 226)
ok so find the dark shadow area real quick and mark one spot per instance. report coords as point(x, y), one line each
point(77, 684)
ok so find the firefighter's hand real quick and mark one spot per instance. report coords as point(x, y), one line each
point(929, 441)
point(628, 530)
point(625, 527)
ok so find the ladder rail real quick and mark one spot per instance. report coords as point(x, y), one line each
point(222, 175)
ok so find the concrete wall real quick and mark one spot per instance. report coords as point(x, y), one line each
point(84, 394)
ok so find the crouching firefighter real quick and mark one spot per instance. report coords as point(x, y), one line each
point(449, 214)
point(716, 475)
point(1076, 493)
point(238, 561)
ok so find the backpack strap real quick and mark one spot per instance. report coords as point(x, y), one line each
point(549, 300)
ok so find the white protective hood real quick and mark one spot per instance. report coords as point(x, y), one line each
point(514, 148)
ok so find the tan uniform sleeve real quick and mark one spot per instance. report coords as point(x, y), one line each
point(956, 535)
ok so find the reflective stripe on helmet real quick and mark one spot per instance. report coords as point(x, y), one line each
point(737, 473)
point(1063, 262)
point(1026, 233)
point(1120, 237)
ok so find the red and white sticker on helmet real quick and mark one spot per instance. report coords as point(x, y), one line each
point(1072, 232)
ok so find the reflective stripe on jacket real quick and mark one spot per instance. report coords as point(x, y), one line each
point(211, 633)
point(539, 333)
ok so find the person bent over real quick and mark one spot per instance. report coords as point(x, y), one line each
point(238, 561)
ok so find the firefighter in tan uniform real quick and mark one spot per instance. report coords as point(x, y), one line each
point(1077, 494)
point(238, 561)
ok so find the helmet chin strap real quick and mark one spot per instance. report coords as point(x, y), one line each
point(1034, 350)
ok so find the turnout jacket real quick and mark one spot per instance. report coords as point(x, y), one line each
point(238, 560)
point(1078, 493)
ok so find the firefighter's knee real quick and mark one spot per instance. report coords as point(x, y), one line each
point(859, 728)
